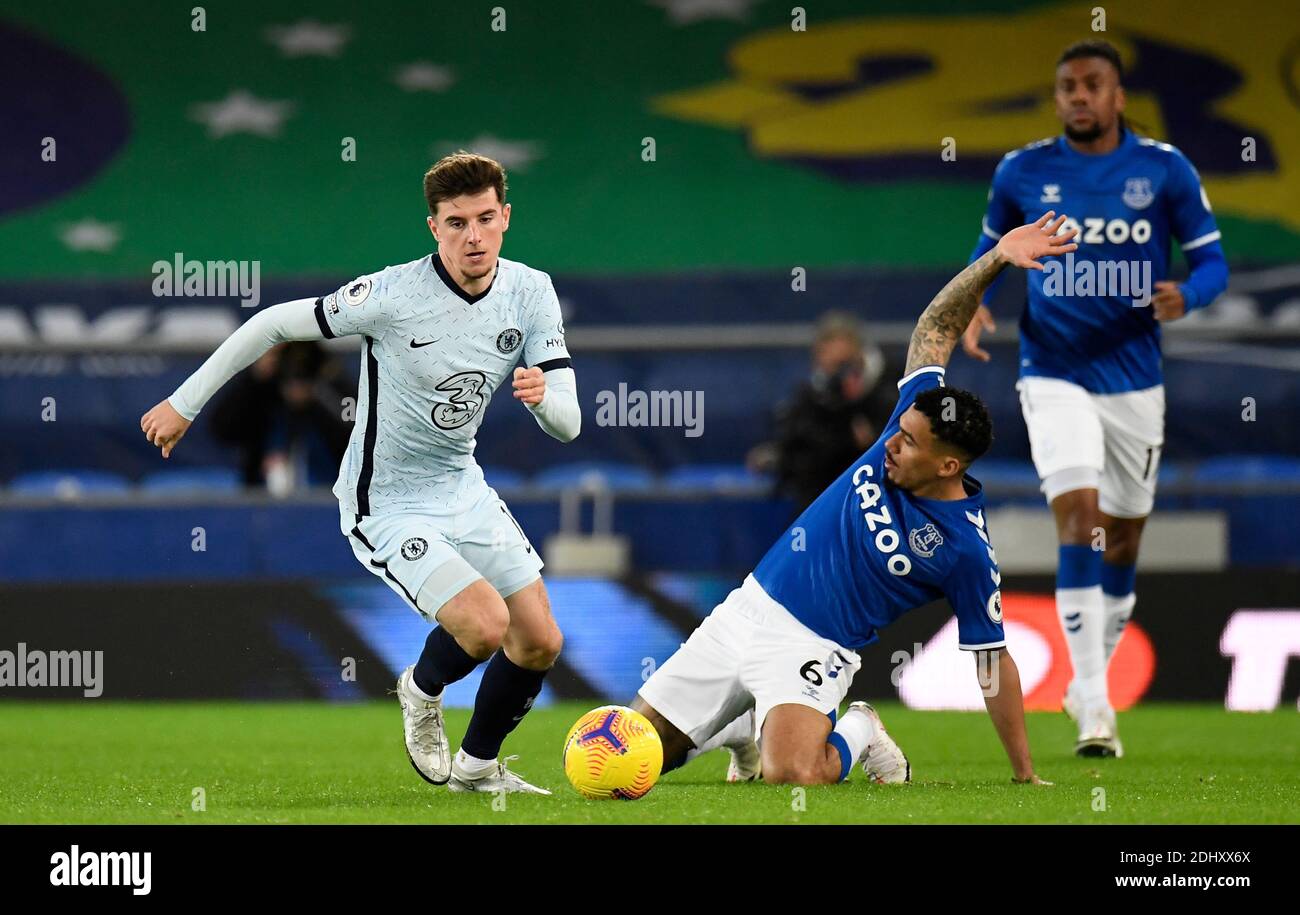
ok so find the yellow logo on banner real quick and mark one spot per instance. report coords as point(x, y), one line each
point(873, 99)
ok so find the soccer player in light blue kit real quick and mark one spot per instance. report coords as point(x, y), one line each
point(441, 334)
point(904, 525)
point(1090, 375)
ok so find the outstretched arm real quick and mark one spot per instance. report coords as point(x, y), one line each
point(167, 422)
point(1000, 682)
point(948, 315)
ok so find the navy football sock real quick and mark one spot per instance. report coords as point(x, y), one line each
point(504, 697)
point(443, 661)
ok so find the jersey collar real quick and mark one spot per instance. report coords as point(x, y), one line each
point(454, 286)
point(1126, 139)
point(974, 493)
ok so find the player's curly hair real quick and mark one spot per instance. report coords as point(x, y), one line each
point(462, 173)
point(1094, 47)
point(957, 418)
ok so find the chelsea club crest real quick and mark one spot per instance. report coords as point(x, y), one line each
point(508, 340)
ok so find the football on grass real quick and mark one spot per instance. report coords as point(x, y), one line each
point(613, 752)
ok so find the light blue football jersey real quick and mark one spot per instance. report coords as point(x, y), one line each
point(433, 357)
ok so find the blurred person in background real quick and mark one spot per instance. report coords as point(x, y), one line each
point(285, 415)
point(833, 416)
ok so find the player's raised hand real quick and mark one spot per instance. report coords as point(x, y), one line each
point(164, 427)
point(970, 340)
point(1025, 245)
point(530, 385)
point(1168, 302)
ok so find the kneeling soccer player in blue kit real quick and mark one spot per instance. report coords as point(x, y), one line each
point(765, 673)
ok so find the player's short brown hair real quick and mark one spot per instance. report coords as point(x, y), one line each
point(462, 173)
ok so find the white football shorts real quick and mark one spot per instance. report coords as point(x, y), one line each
point(748, 653)
point(428, 557)
point(1108, 442)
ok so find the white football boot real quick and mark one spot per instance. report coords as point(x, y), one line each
point(1098, 735)
point(746, 763)
point(883, 760)
point(1070, 704)
point(491, 780)
point(426, 741)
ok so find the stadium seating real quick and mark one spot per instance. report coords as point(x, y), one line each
point(616, 477)
point(68, 484)
point(715, 478)
point(195, 480)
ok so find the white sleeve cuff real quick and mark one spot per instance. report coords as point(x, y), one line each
point(921, 371)
point(559, 413)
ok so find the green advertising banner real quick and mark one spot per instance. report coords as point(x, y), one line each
point(639, 136)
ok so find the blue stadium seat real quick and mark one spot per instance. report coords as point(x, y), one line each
point(499, 477)
point(716, 477)
point(998, 472)
point(68, 484)
point(615, 476)
point(192, 479)
point(1248, 469)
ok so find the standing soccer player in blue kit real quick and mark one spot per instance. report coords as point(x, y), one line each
point(1090, 374)
point(764, 674)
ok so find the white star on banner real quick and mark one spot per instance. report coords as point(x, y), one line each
point(684, 12)
point(510, 153)
point(242, 112)
point(90, 234)
point(309, 38)
point(423, 76)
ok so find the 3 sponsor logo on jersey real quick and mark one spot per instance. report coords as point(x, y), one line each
point(886, 540)
point(509, 339)
point(925, 540)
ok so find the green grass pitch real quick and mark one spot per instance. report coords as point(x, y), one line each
point(93, 762)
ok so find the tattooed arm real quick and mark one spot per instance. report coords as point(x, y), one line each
point(946, 317)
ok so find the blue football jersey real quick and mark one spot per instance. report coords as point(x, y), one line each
point(1126, 204)
point(865, 552)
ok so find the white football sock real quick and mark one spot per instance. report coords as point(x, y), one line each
point(1083, 618)
point(1118, 612)
point(858, 731)
point(421, 694)
point(473, 764)
point(738, 733)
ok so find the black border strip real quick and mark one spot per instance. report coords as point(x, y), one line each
point(320, 319)
point(372, 416)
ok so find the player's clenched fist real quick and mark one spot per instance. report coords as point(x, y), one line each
point(1168, 302)
point(530, 385)
point(164, 427)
